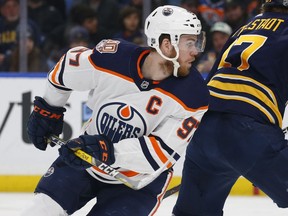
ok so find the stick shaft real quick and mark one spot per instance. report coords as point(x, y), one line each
point(136, 185)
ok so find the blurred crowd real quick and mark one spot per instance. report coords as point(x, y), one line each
point(54, 26)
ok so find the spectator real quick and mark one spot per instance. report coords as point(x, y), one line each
point(139, 5)
point(108, 15)
point(253, 7)
point(220, 31)
point(36, 61)
point(157, 3)
point(174, 2)
point(80, 15)
point(77, 36)
point(85, 16)
point(10, 11)
point(60, 6)
point(212, 11)
point(47, 17)
point(235, 13)
point(123, 3)
point(193, 6)
point(70, 4)
point(130, 26)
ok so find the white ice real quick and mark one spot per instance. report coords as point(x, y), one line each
point(12, 203)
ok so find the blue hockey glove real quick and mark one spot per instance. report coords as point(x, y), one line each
point(98, 146)
point(44, 121)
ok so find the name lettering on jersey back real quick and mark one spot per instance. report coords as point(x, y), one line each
point(270, 24)
point(119, 121)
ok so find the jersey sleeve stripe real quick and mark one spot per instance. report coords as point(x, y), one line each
point(159, 152)
point(167, 148)
point(59, 87)
point(60, 77)
point(249, 80)
point(237, 89)
point(129, 173)
point(179, 101)
point(244, 99)
point(53, 74)
point(56, 76)
point(147, 154)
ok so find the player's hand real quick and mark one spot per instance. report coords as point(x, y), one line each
point(44, 121)
point(98, 146)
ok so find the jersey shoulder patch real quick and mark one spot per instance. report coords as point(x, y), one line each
point(114, 55)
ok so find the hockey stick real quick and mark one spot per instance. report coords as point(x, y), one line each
point(285, 130)
point(176, 188)
point(172, 191)
point(136, 185)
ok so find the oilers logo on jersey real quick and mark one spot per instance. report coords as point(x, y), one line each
point(118, 121)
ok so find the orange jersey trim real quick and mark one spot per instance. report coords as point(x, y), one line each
point(159, 152)
point(126, 173)
point(109, 71)
point(129, 173)
point(160, 196)
point(138, 65)
point(54, 72)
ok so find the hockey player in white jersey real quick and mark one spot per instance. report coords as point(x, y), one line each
point(147, 104)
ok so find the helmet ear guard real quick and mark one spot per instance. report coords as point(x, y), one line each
point(174, 21)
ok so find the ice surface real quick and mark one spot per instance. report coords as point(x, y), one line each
point(12, 203)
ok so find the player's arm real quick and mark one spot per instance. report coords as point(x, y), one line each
point(146, 154)
point(72, 72)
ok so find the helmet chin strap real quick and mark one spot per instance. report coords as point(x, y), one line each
point(174, 60)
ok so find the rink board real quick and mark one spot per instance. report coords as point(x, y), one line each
point(21, 164)
point(19, 183)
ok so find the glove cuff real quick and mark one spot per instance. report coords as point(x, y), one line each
point(42, 108)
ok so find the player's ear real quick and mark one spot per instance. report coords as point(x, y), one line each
point(166, 46)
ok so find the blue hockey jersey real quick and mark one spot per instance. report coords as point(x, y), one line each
point(250, 77)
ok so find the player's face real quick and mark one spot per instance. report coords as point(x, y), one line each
point(187, 53)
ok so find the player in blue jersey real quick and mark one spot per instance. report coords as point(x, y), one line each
point(147, 103)
point(241, 133)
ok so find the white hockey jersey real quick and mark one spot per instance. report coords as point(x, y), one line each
point(146, 120)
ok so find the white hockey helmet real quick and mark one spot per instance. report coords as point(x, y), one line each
point(174, 21)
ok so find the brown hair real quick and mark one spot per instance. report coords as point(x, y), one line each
point(274, 8)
